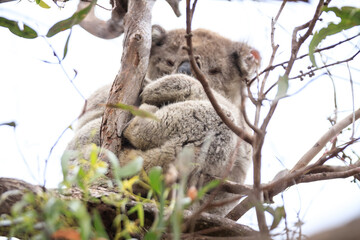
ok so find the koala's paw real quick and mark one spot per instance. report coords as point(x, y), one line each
point(170, 89)
point(142, 132)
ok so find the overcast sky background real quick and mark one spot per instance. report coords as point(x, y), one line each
point(39, 97)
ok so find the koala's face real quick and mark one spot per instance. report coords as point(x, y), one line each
point(225, 63)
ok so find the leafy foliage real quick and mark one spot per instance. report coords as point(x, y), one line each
point(24, 31)
point(76, 18)
point(49, 215)
point(350, 17)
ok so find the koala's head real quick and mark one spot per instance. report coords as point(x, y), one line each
point(226, 64)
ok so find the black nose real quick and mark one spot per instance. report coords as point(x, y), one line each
point(184, 68)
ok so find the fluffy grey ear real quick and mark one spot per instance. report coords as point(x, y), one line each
point(158, 35)
point(246, 59)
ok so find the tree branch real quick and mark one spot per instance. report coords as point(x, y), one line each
point(333, 131)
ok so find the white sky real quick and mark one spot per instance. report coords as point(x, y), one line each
point(40, 98)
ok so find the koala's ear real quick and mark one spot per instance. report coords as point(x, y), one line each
point(158, 35)
point(246, 59)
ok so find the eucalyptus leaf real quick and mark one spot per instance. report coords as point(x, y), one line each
point(42, 4)
point(76, 18)
point(208, 187)
point(115, 165)
point(283, 86)
point(66, 46)
point(10, 124)
point(99, 226)
point(140, 212)
point(130, 169)
point(155, 179)
point(278, 215)
point(152, 235)
point(350, 17)
point(133, 110)
point(13, 26)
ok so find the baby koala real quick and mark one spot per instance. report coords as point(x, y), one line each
point(186, 117)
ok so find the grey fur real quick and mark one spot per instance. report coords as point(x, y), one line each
point(186, 117)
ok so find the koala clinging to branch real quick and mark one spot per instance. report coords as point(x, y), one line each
point(186, 117)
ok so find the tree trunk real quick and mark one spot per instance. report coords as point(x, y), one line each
point(128, 82)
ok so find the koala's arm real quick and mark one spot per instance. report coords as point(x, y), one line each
point(172, 88)
point(145, 133)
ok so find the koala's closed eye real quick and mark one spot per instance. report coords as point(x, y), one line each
point(214, 71)
point(170, 63)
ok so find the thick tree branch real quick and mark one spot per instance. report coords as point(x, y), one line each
point(112, 28)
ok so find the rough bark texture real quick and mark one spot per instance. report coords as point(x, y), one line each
point(13, 189)
point(134, 63)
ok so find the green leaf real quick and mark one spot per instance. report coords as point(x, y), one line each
point(283, 86)
point(130, 169)
point(115, 165)
point(13, 26)
point(278, 215)
point(99, 226)
point(42, 4)
point(349, 16)
point(10, 124)
point(155, 179)
point(140, 211)
point(94, 154)
point(133, 110)
point(208, 187)
point(76, 18)
point(83, 217)
point(65, 163)
point(66, 45)
point(151, 235)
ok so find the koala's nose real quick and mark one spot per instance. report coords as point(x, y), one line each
point(184, 68)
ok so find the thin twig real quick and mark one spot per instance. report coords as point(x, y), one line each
point(71, 80)
point(296, 44)
point(272, 67)
point(353, 101)
point(326, 66)
point(23, 158)
point(51, 150)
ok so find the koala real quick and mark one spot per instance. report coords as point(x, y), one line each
point(186, 116)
